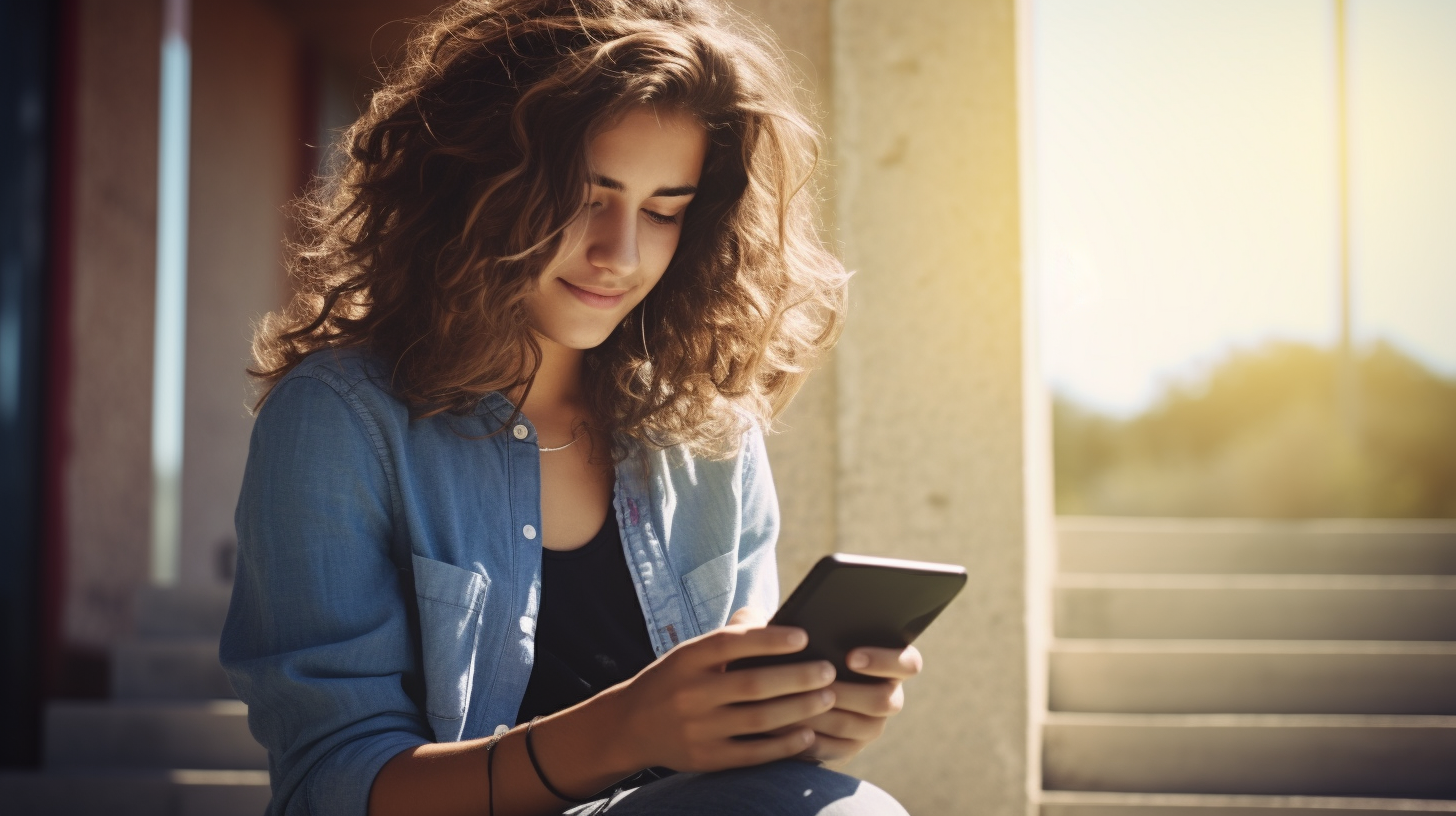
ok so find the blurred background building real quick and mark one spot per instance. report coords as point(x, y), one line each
point(1207, 243)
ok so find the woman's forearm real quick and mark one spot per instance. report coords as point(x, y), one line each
point(579, 750)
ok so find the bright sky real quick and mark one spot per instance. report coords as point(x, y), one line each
point(1184, 187)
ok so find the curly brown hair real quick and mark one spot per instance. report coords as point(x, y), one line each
point(454, 188)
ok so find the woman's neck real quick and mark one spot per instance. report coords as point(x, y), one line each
point(557, 387)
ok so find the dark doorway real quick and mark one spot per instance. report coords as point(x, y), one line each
point(27, 56)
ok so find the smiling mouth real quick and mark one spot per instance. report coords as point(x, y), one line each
point(594, 299)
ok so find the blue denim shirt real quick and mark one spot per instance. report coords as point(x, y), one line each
point(318, 641)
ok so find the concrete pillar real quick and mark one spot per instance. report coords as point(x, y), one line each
point(108, 467)
point(926, 436)
point(245, 165)
point(942, 452)
point(247, 160)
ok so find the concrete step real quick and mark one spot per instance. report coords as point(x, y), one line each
point(1273, 754)
point(168, 669)
point(1261, 607)
point(1335, 546)
point(1091, 803)
point(210, 735)
point(134, 793)
point(182, 611)
point(1253, 677)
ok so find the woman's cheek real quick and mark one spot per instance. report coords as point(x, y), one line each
point(662, 247)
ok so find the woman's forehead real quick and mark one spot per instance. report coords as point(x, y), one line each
point(649, 151)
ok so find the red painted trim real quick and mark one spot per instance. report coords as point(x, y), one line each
point(56, 444)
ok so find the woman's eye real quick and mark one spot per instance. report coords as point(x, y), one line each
point(660, 218)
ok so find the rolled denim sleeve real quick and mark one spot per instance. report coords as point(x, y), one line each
point(317, 640)
point(757, 583)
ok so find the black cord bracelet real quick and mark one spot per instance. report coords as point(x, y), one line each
point(490, 772)
point(531, 752)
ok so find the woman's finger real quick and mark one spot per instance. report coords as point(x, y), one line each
point(847, 725)
point(731, 753)
point(749, 616)
point(770, 716)
point(870, 699)
point(767, 682)
point(726, 645)
point(898, 664)
point(826, 748)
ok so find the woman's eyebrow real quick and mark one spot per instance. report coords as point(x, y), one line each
point(660, 192)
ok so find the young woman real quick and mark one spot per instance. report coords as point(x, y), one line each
point(507, 483)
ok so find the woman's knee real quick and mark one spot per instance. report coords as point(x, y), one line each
point(843, 795)
point(786, 788)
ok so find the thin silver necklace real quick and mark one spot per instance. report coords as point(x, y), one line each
point(579, 434)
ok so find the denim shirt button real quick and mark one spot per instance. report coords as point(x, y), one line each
point(529, 532)
point(502, 728)
point(520, 431)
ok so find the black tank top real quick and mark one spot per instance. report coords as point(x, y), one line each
point(590, 633)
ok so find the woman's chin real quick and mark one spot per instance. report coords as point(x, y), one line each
point(576, 340)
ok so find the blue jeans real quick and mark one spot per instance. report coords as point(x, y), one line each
point(787, 788)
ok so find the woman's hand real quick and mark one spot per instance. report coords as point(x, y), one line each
point(685, 712)
point(861, 710)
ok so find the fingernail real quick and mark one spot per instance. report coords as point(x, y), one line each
point(826, 671)
point(798, 638)
point(858, 660)
point(826, 697)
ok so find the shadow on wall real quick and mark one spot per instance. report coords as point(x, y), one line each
point(1263, 435)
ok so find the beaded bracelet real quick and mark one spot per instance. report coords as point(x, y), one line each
point(531, 752)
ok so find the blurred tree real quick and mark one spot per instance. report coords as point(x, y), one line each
point(1260, 435)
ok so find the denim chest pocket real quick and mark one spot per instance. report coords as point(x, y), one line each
point(451, 601)
point(709, 589)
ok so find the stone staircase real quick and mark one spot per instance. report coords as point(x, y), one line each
point(172, 741)
point(1233, 668)
point(1198, 669)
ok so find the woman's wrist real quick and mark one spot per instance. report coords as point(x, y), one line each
point(585, 749)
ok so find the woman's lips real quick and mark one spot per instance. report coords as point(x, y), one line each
point(596, 298)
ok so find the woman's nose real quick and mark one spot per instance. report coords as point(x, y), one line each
point(613, 240)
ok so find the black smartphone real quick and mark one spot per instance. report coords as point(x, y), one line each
point(848, 601)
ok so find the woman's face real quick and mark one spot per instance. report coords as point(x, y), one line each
point(644, 173)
